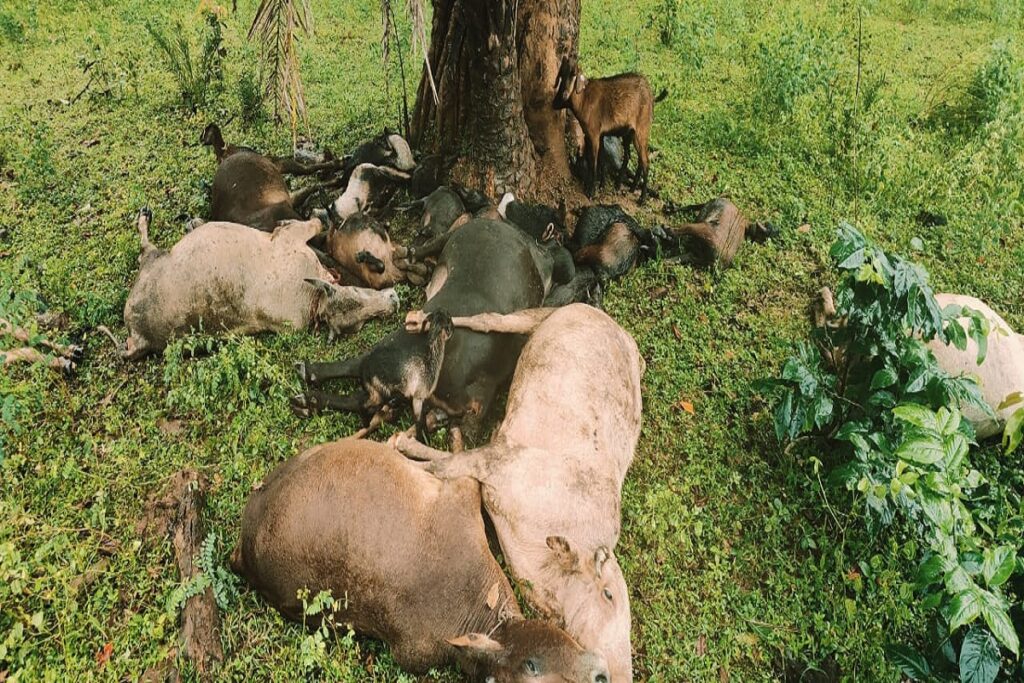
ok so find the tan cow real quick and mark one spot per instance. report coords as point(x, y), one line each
point(552, 475)
point(227, 277)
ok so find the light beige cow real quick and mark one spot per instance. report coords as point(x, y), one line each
point(227, 277)
point(1000, 374)
point(552, 475)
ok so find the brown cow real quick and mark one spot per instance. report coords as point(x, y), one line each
point(406, 554)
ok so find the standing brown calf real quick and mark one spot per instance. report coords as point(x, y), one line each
point(618, 105)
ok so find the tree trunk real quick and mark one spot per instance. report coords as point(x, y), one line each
point(494, 63)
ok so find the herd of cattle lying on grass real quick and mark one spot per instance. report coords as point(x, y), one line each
point(512, 305)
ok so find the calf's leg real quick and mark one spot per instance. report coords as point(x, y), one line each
point(314, 373)
point(315, 402)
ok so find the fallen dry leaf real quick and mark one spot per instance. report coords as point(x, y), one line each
point(702, 646)
point(170, 427)
point(88, 577)
point(492, 596)
point(723, 675)
point(687, 406)
point(806, 227)
point(676, 333)
point(90, 143)
point(103, 654)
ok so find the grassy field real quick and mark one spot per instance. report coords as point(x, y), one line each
point(736, 567)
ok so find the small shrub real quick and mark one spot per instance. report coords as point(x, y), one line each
point(235, 376)
point(797, 62)
point(321, 608)
point(212, 574)
point(108, 75)
point(687, 26)
point(997, 83)
point(250, 94)
point(888, 413)
point(11, 30)
point(667, 19)
point(199, 78)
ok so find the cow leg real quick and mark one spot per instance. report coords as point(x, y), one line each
point(643, 165)
point(456, 440)
point(380, 417)
point(292, 167)
point(593, 149)
point(300, 196)
point(314, 373)
point(416, 450)
point(29, 355)
point(627, 140)
point(315, 402)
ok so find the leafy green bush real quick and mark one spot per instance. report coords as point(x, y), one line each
point(870, 387)
point(235, 375)
point(212, 574)
point(250, 94)
point(797, 62)
point(201, 78)
point(1013, 434)
point(11, 30)
point(997, 83)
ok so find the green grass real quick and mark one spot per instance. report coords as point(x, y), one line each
point(734, 562)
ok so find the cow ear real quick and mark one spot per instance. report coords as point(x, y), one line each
point(563, 554)
point(601, 556)
point(477, 643)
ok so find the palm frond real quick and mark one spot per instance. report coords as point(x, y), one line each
point(417, 18)
point(276, 28)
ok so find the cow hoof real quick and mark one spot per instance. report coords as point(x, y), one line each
point(75, 353)
point(305, 374)
point(303, 405)
point(146, 213)
point(323, 216)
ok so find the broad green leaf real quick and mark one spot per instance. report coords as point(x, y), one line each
point(979, 657)
point(931, 570)
point(958, 581)
point(884, 378)
point(998, 619)
point(918, 380)
point(822, 410)
point(854, 259)
point(783, 416)
point(978, 330)
point(921, 450)
point(955, 448)
point(1013, 433)
point(917, 415)
point(1012, 400)
point(964, 609)
point(910, 662)
point(937, 509)
point(947, 421)
point(998, 565)
point(956, 334)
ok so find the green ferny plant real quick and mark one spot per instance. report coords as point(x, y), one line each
point(871, 389)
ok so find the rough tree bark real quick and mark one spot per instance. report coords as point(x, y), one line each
point(494, 63)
